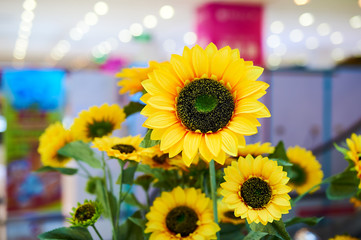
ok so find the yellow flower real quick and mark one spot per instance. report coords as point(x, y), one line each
point(184, 214)
point(54, 138)
point(256, 189)
point(226, 215)
point(126, 148)
point(307, 169)
point(85, 214)
point(97, 122)
point(343, 237)
point(204, 102)
point(133, 77)
point(156, 158)
point(356, 202)
point(358, 169)
point(354, 145)
point(253, 149)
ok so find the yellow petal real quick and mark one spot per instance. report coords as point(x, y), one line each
point(213, 141)
point(162, 103)
point(281, 201)
point(200, 61)
point(179, 196)
point(246, 88)
point(183, 69)
point(242, 125)
point(253, 73)
point(176, 148)
point(172, 136)
point(247, 106)
point(160, 119)
point(240, 210)
point(229, 142)
point(220, 61)
point(221, 158)
point(234, 73)
point(192, 141)
point(157, 133)
point(203, 150)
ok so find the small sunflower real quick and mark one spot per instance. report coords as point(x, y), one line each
point(256, 189)
point(204, 102)
point(97, 122)
point(307, 169)
point(255, 150)
point(133, 77)
point(226, 215)
point(184, 214)
point(156, 158)
point(85, 214)
point(356, 202)
point(354, 145)
point(126, 148)
point(343, 237)
point(54, 138)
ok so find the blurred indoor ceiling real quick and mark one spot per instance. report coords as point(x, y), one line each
point(69, 33)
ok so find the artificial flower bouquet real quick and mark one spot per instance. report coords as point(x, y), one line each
point(200, 179)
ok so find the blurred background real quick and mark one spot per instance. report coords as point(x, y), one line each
point(60, 57)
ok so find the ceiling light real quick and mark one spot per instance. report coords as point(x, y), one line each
point(29, 5)
point(27, 16)
point(150, 21)
point(301, 2)
point(312, 43)
point(306, 19)
point(273, 41)
point(136, 29)
point(169, 45)
point(91, 18)
point(190, 38)
point(166, 12)
point(337, 54)
point(296, 35)
point(336, 38)
point(277, 27)
point(355, 22)
point(323, 29)
point(101, 8)
point(125, 36)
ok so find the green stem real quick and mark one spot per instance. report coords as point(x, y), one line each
point(212, 173)
point(84, 169)
point(96, 230)
point(117, 214)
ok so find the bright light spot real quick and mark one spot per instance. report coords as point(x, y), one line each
point(296, 35)
point(19, 55)
point(26, 26)
point(336, 38)
point(21, 43)
point(306, 19)
point(101, 8)
point(91, 18)
point(150, 21)
point(113, 43)
point(56, 55)
point(280, 50)
point(169, 45)
point(63, 46)
point(24, 34)
point(82, 27)
point(337, 54)
point(166, 12)
point(273, 41)
point(75, 34)
point(125, 36)
point(105, 48)
point(323, 29)
point(301, 2)
point(96, 53)
point(312, 43)
point(27, 16)
point(277, 27)
point(2, 129)
point(136, 29)
point(274, 61)
point(355, 22)
point(29, 5)
point(190, 38)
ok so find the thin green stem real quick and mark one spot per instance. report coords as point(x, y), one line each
point(117, 214)
point(97, 232)
point(212, 173)
point(84, 169)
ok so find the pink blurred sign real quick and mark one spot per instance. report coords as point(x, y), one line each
point(236, 25)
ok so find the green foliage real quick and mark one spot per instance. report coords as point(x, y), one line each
point(311, 221)
point(80, 151)
point(343, 185)
point(103, 196)
point(255, 235)
point(133, 201)
point(65, 171)
point(276, 228)
point(133, 107)
point(127, 177)
point(144, 181)
point(279, 152)
point(231, 232)
point(131, 230)
point(147, 141)
point(66, 233)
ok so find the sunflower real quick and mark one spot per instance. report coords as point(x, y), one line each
point(354, 145)
point(156, 158)
point(356, 202)
point(358, 169)
point(184, 214)
point(256, 189)
point(204, 102)
point(133, 77)
point(226, 215)
point(126, 148)
point(343, 237)
point(97, 122)
point(253, 149)
point(85, 214)
point(307, 169)
point(54, 138)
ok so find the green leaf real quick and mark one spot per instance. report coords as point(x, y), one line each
point(130, 230)
point(133, 107)
point(340, 149)
point(147, 142)
point(102, 197)
point(311, 221)
point(255, 235)
point(144, 180)
point(282, 162)
point(81, 151)
point(343, 185)
point(128, 174)
point(231, 232)
point(65, 171)
point(276, 228)
point(139, 221)
point(66, 233)
point(133, 201)
point(279, 152)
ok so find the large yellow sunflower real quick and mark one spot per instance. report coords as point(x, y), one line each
point(253, 149)
point(97, 122)
point(126, 148)
point(307, 169)
point(226, 215)
point(133, 77)
point(343, 237)
point(156, 158)
point(354, 145)
point(184, 214)
point(204, 102)
point(256, 189)
point(54, 138)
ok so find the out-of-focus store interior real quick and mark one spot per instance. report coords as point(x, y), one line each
point(62, 57)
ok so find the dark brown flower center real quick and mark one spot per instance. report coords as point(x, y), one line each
point(84, 212)
point(182, 220)
point(299, 176)
point(256, 192)
point(160, 159)
point(230, 215)
point(99, 129)
point(124, 148)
